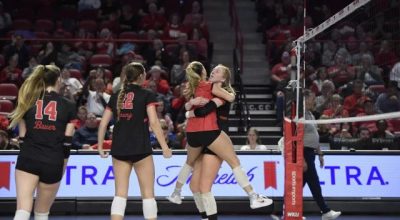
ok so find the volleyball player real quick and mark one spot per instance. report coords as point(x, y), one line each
point(134, 110)
point(45, 131)
point(204, 132)
point(206, 167)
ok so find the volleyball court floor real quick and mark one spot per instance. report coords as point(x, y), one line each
point(221, 217)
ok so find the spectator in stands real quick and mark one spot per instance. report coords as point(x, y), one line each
point(202, 44)
point(183, 45)
point(328, 55)
point(200, 25)
point(196, 11)
point(174, 28)
point(106, 46)
point(5, 20)
point(144, 10)
point(323, 101)
point(86, 136)
point(321, 75)
point(170, 137)
point(18, 46)
point(28, 70)
point(369, 73)
point(326, 131)
point(163, 114)
point(89, 5)
point(386, 56)
point(357, 58)
point(82, 117)
point(153, 20)
point(69, 57)
point(369, 109)
point(354, 103)
point(340, 73)
point(11, 73)
point(72, 84)
point(129, 21)
point(364, 134)
point(6, 143)
point(382, 130)
point(253, 141)
point(389, 101)
point(4, 122)
point(155, 75)
point(178, 71)
point(280, 72)
point(108, 7)
point(84, 48)
point(97, 100)
point(395, 74)
point(345, 131)
point(177, 101)
point(116, 85)
point(48, 55)
point(336, 109)
point(155, 52)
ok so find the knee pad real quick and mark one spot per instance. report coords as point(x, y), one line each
point(210, 205)
point(41, 216)
point(22, 215)
point(150, 208)
point(118, 206)
point(184, 173)
point(198, 202)
point(241, 177)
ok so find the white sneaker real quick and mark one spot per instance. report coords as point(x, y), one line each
point(331, 215)
point(274, 217)
point(175, 198)
point(258, 201)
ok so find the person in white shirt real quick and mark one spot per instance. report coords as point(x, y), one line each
point(253, 141)
point(74, 85)
point(97, 100)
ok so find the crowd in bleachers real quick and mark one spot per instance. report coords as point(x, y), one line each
point(91, 40)
point(353, 67)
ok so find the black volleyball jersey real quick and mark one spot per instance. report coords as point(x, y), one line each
point(46, 122)
point(131, 134)
point(222, 116)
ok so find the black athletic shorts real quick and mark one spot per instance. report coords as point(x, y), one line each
point(132, 158)
point(202, 138)
point(48, 173)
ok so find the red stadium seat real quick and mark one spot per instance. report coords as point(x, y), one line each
point(377, 88)
point(6, 106)
point(67, 12)
point(104, 60)
point(44, 25)
point(88, 25)
point(129, 35)
point(87, 14)
point(22, 24)
point(42, 35)
point(107, 74)
point(8, 91)
point(75, 74)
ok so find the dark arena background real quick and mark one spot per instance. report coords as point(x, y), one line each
point(346, 52)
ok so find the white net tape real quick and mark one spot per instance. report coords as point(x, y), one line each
point(350, 119)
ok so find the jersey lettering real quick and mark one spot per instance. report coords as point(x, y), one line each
point(50, 110)
point(128, 100)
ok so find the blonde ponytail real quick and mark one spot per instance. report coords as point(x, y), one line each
point(193, 75)
point(31, 90)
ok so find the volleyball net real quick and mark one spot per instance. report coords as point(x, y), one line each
point(349, 63)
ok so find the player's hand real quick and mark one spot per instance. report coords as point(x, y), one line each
point(199, 101)
point(167, 152)
point(103, 154)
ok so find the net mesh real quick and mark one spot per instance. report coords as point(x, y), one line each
point(350, 60)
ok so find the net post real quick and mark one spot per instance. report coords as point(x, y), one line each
point(293, 154)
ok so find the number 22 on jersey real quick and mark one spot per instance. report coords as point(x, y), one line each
point(50, 110)
point(128, 100)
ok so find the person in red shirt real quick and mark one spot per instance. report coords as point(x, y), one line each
point(162, 84)
point(81, 117)
point(11, 73)
point(354, 102)
point(153, 21)
point(341, 73)
point(281, 71)
point(174, 28)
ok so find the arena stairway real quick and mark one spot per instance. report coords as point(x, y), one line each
point(262, 117)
